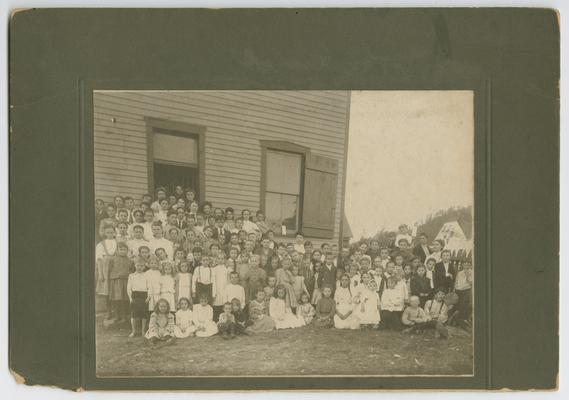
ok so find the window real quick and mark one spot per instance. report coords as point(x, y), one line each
point(283, 190)
point(175, 155)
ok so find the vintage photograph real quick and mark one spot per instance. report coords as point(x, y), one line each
point(284, 233)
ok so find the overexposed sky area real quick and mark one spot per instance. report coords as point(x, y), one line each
point(410, 154)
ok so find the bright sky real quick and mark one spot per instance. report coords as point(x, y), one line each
point(410, 153)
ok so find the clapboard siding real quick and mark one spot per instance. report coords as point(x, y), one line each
point(235, 122)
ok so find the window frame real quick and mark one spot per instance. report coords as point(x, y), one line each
point(181, 129)
point(284, 147)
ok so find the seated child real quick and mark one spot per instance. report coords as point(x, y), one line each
point(414, 317)
point(345, 317)
point(325, 309)
point(367, 303)
point(259, 320)
point(203, 317)
point(392, 304)
point(241, 321)
point(280, 312)
point(304, 310)
point(436, 311)
point(161, 325)
point(184, 325)
point(226, 324)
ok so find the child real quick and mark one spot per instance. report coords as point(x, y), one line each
point(137, 241)
point(430, 271)
point(104, 252)
point(284, 277)
point(153, 277)
point(120, 266)
point(345, 318)
point(299, 243)
point(437, 314)
point(184, 326)
point(317, 293)
point(220, 275)
point(325, 309)
point(304, 310)
point(255, 278)
point(203, 317)
point(463, 289)
point(414, 317)
point(392, 304)
point(161, 325)
point(226, 325)
point(202, 280)
point(421, 286)
point(241, 321)
point(137, 290)
point(298, 286)
point(367, 303)
point(280, 311)
point(184, 282)
point(168, 284)
point(259, 320)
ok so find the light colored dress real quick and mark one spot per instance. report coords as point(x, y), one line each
point(285, 278)
point(344, 304)
point(184, 282)
point(203, 320)
point(305, 313)
point(160, 326)
point(261, 322)
point(366, 308)
point(281, 313)
point(168, 290)
point(184, 323)
point(219, 283)
point(153, 277)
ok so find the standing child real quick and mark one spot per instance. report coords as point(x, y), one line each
point(120, 266)
point(104, 252)
point(220, 276)
point(280, 311)
point(184, 316)
point(345, 318)
point(298, 285)
point(317, 293)
point(284, 278)
point(153, 277)
point(161, 325)
point(203, 317)
point(137, 290)
point(325, 309)
point(202, 280)
point(168, 284)
point(226, 325)
point(392, 304)
point(304, 311)
point(234, 290)
point(259, 320)
point(255, 278)
point(184, 281)
point(367, 303)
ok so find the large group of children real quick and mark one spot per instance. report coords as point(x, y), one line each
point(177, 268)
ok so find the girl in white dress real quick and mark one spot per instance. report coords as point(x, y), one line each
point(345, 317)
point(280, 312)
point(203, 318)
point(367, 303)
point(184, 282)
point(168, 284)
point(153, 277)
point(184, 319)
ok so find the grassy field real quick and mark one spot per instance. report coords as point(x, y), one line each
point(301, 351)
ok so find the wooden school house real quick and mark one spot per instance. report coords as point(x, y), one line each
point(282, 152)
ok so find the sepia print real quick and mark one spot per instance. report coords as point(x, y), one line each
point(284, 233)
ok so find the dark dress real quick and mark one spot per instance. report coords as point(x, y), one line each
point(326, 307)
point(421, 287)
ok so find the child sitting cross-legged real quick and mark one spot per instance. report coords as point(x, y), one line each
point(226, 325)
point(161, 325)
point(414, 317)
point(436, 311)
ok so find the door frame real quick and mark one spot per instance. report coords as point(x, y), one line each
point(178, 129)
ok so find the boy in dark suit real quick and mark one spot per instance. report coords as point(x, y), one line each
point(445, 272)
point(422, 249)
point(222, 235)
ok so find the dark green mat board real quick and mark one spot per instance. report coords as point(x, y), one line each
point(509, 57)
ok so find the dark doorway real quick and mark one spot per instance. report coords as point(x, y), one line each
point(169, 176)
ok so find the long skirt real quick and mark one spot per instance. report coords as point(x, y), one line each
point(117, 289)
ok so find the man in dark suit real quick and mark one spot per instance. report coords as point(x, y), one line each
point(445, 272)
point(422, 249)
point(222, 235)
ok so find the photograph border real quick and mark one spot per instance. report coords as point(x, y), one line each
point(481, 98)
